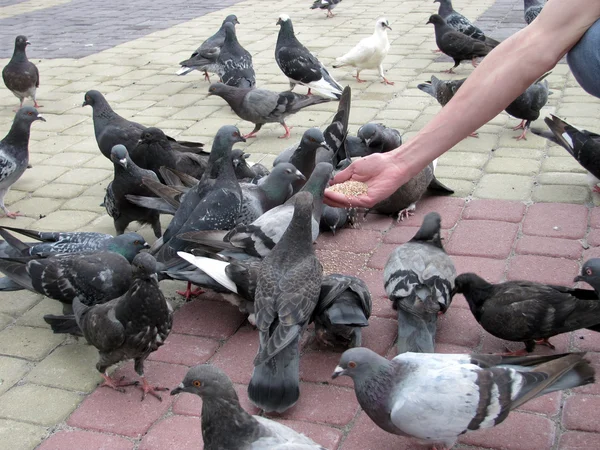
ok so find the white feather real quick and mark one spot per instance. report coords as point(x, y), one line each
point(568, 139)
point(370, 52)
point(211, 267)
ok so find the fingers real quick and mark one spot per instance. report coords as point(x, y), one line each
point(338, 200)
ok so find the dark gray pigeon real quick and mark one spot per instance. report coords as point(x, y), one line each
point(531, 9)
point(441, 90)
point(300, 65)
point(14, 152)
point(460, 23)
point(287, 292)
point(528, 105)
point(527, 311)
point(403, 201)
point(590, 273)
point(344, 307)
point(155, 150)
point(304, 157)
point(205, 56)
point(333, 218)
point(327, 5)
point(373, 138)
point(457, 45)
point(438, 397)
point(128, 180)
point(583, 145)
point(111, 129)
point(120, 331)
point(225, 424)
point(20, 75)
point(261, 106)
point(259, 238)
point(243, 171)
point(418, 279)
point(235, 62)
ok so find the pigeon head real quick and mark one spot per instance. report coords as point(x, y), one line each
point(590, 272)
point(224, 140)
point(313, 138)
point(143, 265)
point(207, 381)
point(473, 287)
point(319, 179)
point(382, 24)
point(119, 156)
point(283, 18)
point(359, 363)
point(287, 172)
point(287, 29)
point(430, 230)
point(436, 19)
point(21, 43)
point(151, 135)
point(230, 32)
point(28, 115)
point(127, 245)
point(220, 89)
point(369, 133)
point(231, 18)
point(93, 98)
point(240, 165)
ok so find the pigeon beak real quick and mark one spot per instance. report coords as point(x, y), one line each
point(337, 372)
point(323, 144)
point(300, 175)
point(237, 21)
point(246, 155)
point(85, 103)
point(278, 22)
point(123, 162)
point(27, 43)
point(578, 278)
point(178, 389)
point(385, 25)
point(368, 141)
point(146, 245)
point(242, 138)
point(40, 117)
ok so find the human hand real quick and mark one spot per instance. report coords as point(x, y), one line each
point(379, 171)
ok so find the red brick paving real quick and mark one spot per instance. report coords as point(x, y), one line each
point(497, 239)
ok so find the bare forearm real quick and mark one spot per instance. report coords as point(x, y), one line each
point(502, 76)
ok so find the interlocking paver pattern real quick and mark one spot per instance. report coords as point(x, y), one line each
point(521, 210)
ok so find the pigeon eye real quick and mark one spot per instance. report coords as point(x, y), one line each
point(588, 271)
point(352, 364)
point(197, 383)
point(30, 113)
point(136, 242)
point(236, 134)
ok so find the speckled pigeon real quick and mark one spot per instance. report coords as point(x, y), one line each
point(528, 105)
point(120, 332)
point(300, 65)
point(327, 5)
point(205, 56)
point(418, 279)
point(437, 397)
point(20, 75)
point(531, 9)
point(527, 311)
point(225, 425)
point(127, 180)
point(261, 106)
point(457, 45)
point(460, 23)
point(287, 292)
point(235, 62)
point(14, 152)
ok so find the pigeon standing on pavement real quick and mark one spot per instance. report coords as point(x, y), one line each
point(14, 152)
point(438, 397)
point(441, 90)
point(528, 105)
point(20, 75)
point(226, 425)
point(205, 56)
point(590, 273)
point(327, 5)
point(457, 45)
point(460, 23)
point(531, 9)
point(527, 311)
point(369, 53)
point(261, 106)
point(129, 327)
point(235, 62)
point(128, 180)
point(287, 292)
point(418, 279)
point(300, 65)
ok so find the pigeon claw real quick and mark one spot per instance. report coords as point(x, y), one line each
point(37, 105)
point(521, 126)
point(117, 385)
point(406, 213)
point(287, 132)
point(13, 215)
point(206, 76)
point(437, 50)
point(188, 293)
point(523, 135)
point(147, 388)
point(474, 134)
point(522, 352)
point(359, 79)
point(545, 342)
point(450, 70)
point(250, 135)
point(386, 81)
point(596, 189)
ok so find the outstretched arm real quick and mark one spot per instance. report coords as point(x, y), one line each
point(502, 76)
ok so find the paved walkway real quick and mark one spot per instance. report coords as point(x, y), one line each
point(522, 210)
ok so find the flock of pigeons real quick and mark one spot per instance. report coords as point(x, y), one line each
point(247, 232)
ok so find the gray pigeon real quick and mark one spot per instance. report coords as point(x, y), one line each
point(531, 9)
point(590, 273)
point(20, 75)
point(460, 23)
point(438, 397)
point(333, 218)
point(418, 279)
point(373, 138)
point(205, 56)
point(14, 152)
point(528, 105)
point(111, 129)
point(300, 65)
point(457, 45)
point(128, 181)
point(261, 106)
point(441, 90)
point(583, 145)
point(344, 307)
point(225, 425)
point(243, 171)
point(403, 201)
point(287, 292)
point(120, 331)
point(259, 238)
point(304, 157)
point(235, 62)
point(327, 5)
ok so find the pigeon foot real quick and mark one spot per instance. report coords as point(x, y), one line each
point(474, 62)
point(386, 81)
point(437, 50)
point(250, 135)
point(37, 105)
point(474, 134)
point(359, 79)
point(147, 388)
point(287, 132)
point(522, 352)
point(523, 135)
point(13, 215)
point(596, 189)
point(521, 126)
point(545, 342)
point(188, 293)
point(407, 212)
point(206, 76)
point(117, 385)
point(450, 70)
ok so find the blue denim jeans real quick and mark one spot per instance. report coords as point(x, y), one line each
point(584, 60)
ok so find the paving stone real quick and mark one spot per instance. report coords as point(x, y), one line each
point(65, 220)
point(458, 327)
point(578, 440)
point(181, 432)
point(349, 240)
point(317, 367)
point(5, 321)
point(57, 190)
point(365, 435)
point(504, 187)
point(29, 403)
point(17, 302)
point(21, 436)
point(380, 334)
point(326, 436)
point(28, 343)
point(84, 177)
point(335, 261)
point(450, 209)
point(35, 316)
point(578, 413)
point(213, 319)
point(377, 222)
point(474, 238)
point(236, 356)
point(561, 194)
point(515, 166)
point(494, 210)
point(544, 246)
point(379, 259)
point(559, 220)
point(11, 371)
point(71, 367)
point(185, 349)
point(85, 439)
point(543, 269)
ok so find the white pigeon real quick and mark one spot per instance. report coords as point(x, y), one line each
point(370, 52)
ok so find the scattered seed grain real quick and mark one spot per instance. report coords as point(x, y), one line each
point(350, 188)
